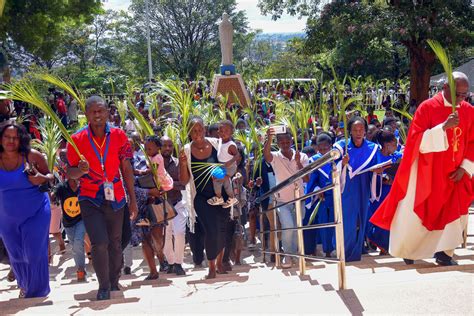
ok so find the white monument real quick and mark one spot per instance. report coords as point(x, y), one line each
point(228, 83)
point(226, 34)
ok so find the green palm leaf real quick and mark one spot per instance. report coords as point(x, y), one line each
point(51, 141)
point(23, 90)
point(182, 103)
point(143, 127)
point(58, 82)
point(315, 212)
point(448, 68)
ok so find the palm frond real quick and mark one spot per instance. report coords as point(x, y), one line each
point(448, 68)
point(143, 127)
point(58, 82)
point(51, 141)
point(181, 98)
point(206, 175)
point(172, 131)
point(314, 213)
point(2, 6)
point(23, 90)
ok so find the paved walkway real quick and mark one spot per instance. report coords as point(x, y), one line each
point(377, 285)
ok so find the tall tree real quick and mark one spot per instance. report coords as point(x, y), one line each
point(185, 32)
point(358, 24)
point(37, 25)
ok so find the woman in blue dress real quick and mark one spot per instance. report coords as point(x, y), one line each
point(355, 185)
point(382, 185)
point(24, 209)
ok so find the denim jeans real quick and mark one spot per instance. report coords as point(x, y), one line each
point(76, 234)
point(287, 217)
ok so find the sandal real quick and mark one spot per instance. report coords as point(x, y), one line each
point(22, 294)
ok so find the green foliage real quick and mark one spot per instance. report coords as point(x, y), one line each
point(185, 33)
point(38, 25)
point(24, 90)
point(448, 69)
point(51, 141)
point(181, 97)
point(373, 37)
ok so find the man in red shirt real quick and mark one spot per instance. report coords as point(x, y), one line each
point(106, 158)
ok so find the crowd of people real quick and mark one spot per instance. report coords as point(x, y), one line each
point(203, 193)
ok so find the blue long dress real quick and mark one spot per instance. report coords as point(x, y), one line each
point(355, 194)
point(319, 179)
point(375, 234)
point(24, 227)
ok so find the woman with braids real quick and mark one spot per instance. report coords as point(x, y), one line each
point(212, 218)
point(381, 186)
point(24, 209)
point(359, 158)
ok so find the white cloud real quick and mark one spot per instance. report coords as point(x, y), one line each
point(286, 24)
point(117, 4)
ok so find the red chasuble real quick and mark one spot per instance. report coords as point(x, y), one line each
point(438, 200)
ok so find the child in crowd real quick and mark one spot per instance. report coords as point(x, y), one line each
point(152, 149)
point(228, 155)
point(66, 192)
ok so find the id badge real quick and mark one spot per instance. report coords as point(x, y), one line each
point(109, 191)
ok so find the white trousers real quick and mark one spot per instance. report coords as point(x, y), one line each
point(174, 252)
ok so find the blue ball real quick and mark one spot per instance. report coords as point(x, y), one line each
point(219, 173)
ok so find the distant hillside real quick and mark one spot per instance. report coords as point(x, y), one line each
point(279, 37)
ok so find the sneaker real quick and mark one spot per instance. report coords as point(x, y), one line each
point(81, 275)
point(215, 201)
point(230, 202)
point(143, 222)
point(127, 271)
point(178, 269)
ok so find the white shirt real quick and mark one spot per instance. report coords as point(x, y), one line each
point(283, 169)
point(223, 155)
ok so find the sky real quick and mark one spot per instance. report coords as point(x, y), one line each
point(286, 24)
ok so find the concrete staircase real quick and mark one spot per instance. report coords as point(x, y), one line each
point(377, 284)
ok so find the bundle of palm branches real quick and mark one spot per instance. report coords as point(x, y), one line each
point(50, 142)
point(182, 103)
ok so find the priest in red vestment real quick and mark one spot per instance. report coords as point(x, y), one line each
point(426, 210)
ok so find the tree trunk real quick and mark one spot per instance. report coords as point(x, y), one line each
point(421, 64)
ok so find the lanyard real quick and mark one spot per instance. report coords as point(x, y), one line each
point(98, 150)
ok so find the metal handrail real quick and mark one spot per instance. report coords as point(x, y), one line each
point(328, 157)
point(337, 224)
point(304, 197)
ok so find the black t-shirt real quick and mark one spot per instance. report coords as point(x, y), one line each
point(69, 204)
